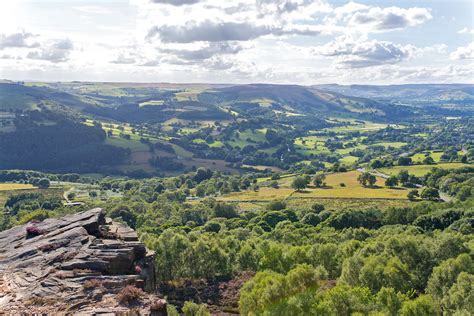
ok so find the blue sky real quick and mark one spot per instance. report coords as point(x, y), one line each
point(238, 41)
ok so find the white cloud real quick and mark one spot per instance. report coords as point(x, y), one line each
point(356, 53)
point(466, 31)
point(209, 31)
point(19, 39)
point(380, 19)
point(54, 51)
point(21, 45)
point(283, 41)
point(176, 2)
point(463, 52)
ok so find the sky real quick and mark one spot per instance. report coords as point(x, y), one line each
point(238, 41)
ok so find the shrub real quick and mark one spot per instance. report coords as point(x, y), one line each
point(276, 205)
point(91, 284)
point(193, 309)
point(129, 294)
point(212, 227)
point(311, 219)
point(317, 208)
point(32, 231)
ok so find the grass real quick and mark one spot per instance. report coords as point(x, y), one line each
point(390, 144)
point(436, 155)
point(367, 126)
point(421, 170)
point(345, 151)
point(133, 145)
point(333, 190)
point(256, 136)
point(15, 186)
point(311, 145)
point(348, 160)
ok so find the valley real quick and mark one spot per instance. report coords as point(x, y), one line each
point(231, 184)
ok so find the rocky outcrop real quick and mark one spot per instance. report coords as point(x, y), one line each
point(76, 264)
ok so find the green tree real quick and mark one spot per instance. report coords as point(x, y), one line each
point(299, 183)
point(273, 293)
point(423, 305)
point(446, 274)
point(391, 181)
point(428, 161)
point(430, 194)
point(412, 195)
point(344, 300)
point(43, 183)
point(318, 180)
point(276, 205)
point(403, 177)
point(390, 301)
point(317, 208)
point(367, 179)
point(459, 300)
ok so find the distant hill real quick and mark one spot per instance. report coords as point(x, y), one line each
point(455, 93)
point(300, 99)
point(18, 96)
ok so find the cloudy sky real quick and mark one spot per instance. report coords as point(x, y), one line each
point(238, 41)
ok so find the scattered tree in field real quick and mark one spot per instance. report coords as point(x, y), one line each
point(413, 195)
point(43, 183)
point(392, 181)
point(404, 161)
point(299, 183)
point(403, 177)
point(367, 179)
point(318, 180)
point(428, 161)
point(430, 194)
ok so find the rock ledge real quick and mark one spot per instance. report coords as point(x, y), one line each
point(76, 264)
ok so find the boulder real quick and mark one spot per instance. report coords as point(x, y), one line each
point(75, 264)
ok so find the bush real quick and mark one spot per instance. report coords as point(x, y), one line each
point(311, 219)
point(274, 217)
point(193, 309)
point(212, 227)
point(130, 294)
point(317, 208)
point(224, 210)
point(276, 205)
point(349, 218)
point(91, 284)
point(33, 231)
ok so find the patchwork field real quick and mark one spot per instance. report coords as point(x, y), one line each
point(421, 170)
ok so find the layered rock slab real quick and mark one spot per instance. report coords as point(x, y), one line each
point(74, 264)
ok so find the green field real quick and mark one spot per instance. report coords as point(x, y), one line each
point(348, 160)
point(419, 157)
point(255, 136)
point(390, 144)
point(421, 170)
